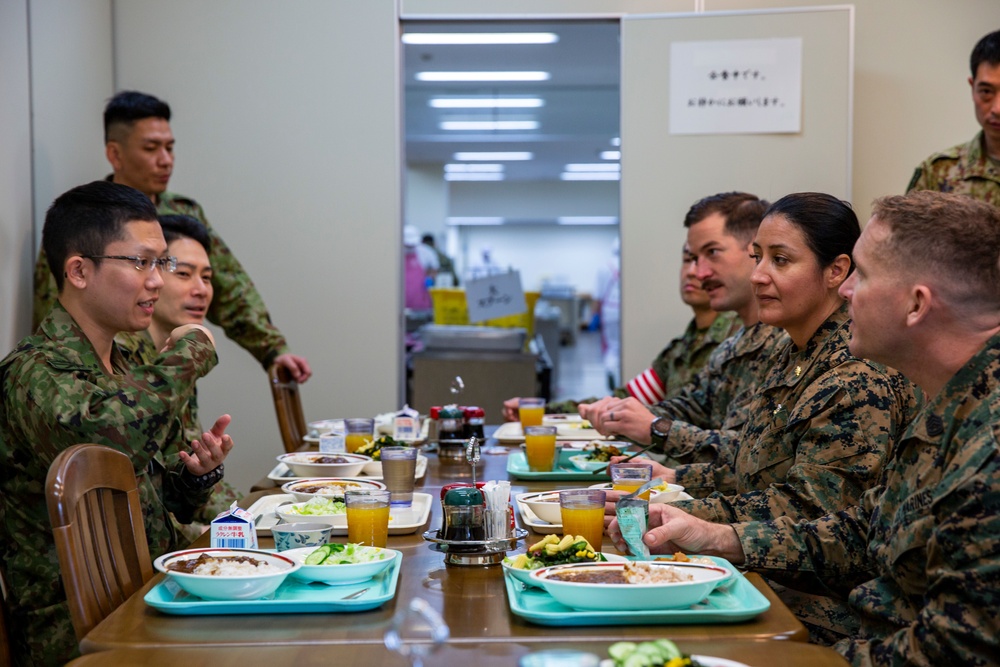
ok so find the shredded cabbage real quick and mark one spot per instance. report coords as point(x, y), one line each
point(318, 505)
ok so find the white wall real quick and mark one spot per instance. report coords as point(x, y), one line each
point(286, 117)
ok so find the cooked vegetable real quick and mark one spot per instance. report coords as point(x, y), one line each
point(373, 448)
point(595, 451)
point(555, 551)
point(659, 653)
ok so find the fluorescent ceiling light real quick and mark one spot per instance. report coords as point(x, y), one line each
point(483, 76)
point(473, 176)
point(597, 166)
point(611, 155)
point(472, 168)
point(587, 220)
point(480, 38)
point(485, 125)
point(467, 156)
point(486, 103)
point(590, 176)
point(616, 141)
point(460, 220)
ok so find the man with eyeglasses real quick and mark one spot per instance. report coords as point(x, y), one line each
point(139, 145)
point(68, 383)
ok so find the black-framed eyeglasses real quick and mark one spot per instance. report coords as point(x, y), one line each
point(168, 264)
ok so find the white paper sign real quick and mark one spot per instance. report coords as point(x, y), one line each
point(740, 86)
point(497, 295)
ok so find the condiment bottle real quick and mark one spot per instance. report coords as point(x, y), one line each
point(475, 418)
point(433, 423)
point(451, 434)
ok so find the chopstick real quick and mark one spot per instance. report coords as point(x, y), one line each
point(627, 458)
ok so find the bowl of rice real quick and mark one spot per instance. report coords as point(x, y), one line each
point(312, 464)
point(306, 489)
point(345, 564)
point(630, 586)
point(227, 574)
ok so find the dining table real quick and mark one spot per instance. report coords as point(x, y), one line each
point(471, 600)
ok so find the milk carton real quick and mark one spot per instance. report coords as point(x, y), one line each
point(234, 529)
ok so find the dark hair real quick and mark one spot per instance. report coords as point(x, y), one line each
point(84, 220)
point(129, 106)
point(427, 239)
point(185, 226)
point(829, 225)
point(987, 50)
point(743, 213)
point(953, 237)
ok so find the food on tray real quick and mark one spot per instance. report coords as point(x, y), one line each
point(680, 557)
point(629, 573)
point(373, 448)
point(595, 450)
point(659, 653)
point(221, 566)
point(581, 425)
point(344, 554)
point(320, 458)
point(318, 505)
point(553, 550)
point(329, 487)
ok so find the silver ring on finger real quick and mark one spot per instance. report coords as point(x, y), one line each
point(611, 417)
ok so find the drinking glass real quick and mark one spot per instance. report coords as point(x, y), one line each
point(628, 477)
point(358, 431)
point(399, 469)
point(540, 447)
point(531, 411)
point(367, 516)
point(582, 512)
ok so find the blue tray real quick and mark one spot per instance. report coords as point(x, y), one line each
point(292, 597)
point(517, 468)
point(739, 601)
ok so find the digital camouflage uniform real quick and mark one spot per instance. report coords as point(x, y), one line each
point(673, 367)
point(54, 394)
point(711, 409)
point(924, 545)
point(138, 350)
point(236, 306)
point(963, 169)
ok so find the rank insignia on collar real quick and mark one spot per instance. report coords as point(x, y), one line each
point(778, 409)
point(798, 371)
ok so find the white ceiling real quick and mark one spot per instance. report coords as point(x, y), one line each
point(580, 117)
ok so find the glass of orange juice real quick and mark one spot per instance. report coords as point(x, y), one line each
point(540, 447)
point(531, 411)
point(582, 512)
point(628, 477)
point(367, 516)
point(358, 431)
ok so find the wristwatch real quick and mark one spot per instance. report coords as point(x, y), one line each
point(659, 430)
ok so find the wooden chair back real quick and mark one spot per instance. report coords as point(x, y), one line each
point(97, 523)
point(288, 406)
point(6, 659)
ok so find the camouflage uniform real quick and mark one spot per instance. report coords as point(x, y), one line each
point(55, 394)
point(963, 169)
point(711, 409)
point(925, 542)
point(236, 306)
point(673, 368)
point(138, 350)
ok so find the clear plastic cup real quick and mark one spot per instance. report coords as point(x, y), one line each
point(531, 411)
point(367, 517)
point(628, 477)
point(357, 432)
point(582, 512)
point(540, 447)
point(399, 469)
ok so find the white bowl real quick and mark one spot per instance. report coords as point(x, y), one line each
point(631, 597)
point(326, 486)
point(340, 574)
point(544, 504)
point(524, 576)
point(583, 462)
point(662, 496)
point(325, 426)
point(336, 520)
point(306, 464)
point(218, 587)
point(373, 468)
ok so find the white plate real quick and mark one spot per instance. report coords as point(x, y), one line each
point(530, 520)
point(401, 521)
point(674, 492)
point(339, 575)
point(706, 660)
point(511, 433)
point(282, 474)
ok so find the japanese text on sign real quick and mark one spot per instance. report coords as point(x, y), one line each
point(493, 296)
point(742, 86)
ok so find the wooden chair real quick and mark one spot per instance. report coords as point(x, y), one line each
point(288, 406)
point(97, 523)
point(6, 659)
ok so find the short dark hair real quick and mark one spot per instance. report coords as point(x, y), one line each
point(951, 236)
point(427, 239)
point(829, 225)
point(987, 50)
point(128, 106)
point(86, 219)
point(185, 226)
point(743, 213)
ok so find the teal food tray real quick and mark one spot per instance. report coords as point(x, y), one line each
point(292, 597)
point(739, 601)
point(517, 468)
